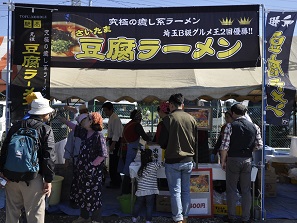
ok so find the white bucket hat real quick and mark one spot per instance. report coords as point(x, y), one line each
point(40, 107)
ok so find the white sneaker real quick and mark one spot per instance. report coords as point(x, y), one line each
point(134, 220)
point(82, 220)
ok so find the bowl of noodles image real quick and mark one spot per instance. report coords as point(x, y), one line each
point(199, 183)
point(67, 29)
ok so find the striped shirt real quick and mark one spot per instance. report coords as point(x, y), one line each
point(147, 183)
point(228, 132)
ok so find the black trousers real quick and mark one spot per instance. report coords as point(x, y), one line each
point(127, 185)
point(115, 177)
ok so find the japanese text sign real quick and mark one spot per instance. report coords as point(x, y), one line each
point(32, 46)
point(156, 38)
point(279, 90)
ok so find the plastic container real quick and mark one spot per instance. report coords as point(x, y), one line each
point(125, 203)
point(293, 147)
point(56, 190)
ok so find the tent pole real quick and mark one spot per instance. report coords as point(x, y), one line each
point(264, 102)
point(10, 8)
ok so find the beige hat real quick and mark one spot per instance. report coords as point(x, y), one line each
point(40, 107)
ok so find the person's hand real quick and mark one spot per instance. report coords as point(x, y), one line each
point(67, 163)
point(150, 135)
point(47, 188)
point(111, 147)
point(98, 161)
point(2, 176)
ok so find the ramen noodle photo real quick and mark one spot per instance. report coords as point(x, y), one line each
point(66, 31)
point(199, 183)
point(64, 40)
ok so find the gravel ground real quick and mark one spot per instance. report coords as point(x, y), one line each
point(116, 219)
point(62, 218)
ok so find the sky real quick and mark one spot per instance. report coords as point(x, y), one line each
point(270, 5)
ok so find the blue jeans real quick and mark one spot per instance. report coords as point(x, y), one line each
point(149, 200)
point(178, 176)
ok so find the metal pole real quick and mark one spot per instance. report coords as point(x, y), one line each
point(294, 118)
point(8, 66)
point(264, 102)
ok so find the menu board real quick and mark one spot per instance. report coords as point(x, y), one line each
point(203, 116)
point(201, 193)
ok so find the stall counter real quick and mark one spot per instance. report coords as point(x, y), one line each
point(217, 172)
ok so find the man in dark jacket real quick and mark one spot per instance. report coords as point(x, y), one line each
point(179, 137)
point(240, 138)
point(31, 195)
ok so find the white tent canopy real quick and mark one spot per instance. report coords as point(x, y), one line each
point(148, 85)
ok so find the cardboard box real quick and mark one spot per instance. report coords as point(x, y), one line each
point(284, 179)
point(283, 168)
point(221, 209)
point(163, 203)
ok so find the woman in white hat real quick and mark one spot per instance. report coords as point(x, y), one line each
point(31, 195)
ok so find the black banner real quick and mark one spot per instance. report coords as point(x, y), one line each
point(32, 35)
point(279, 90)
point(156, 38)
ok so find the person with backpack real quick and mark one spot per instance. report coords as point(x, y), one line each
point(90, 166)
point(27, 163)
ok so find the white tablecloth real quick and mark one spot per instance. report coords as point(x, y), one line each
point(217, 172)
point(281, 158)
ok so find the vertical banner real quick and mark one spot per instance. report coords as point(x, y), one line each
point(279, 89)
point(32, 34)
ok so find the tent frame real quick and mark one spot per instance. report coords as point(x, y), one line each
point(264, 70)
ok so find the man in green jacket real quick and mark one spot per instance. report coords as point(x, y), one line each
point(179, 138)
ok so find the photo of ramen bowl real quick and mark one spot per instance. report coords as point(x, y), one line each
point(66, 31)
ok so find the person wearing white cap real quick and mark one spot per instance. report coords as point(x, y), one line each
point(31, 195)
point(29, 98)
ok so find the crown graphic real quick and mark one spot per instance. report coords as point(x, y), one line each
point(244, 21)
point(226, 22)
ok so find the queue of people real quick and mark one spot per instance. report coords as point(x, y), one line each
point(177, 134)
